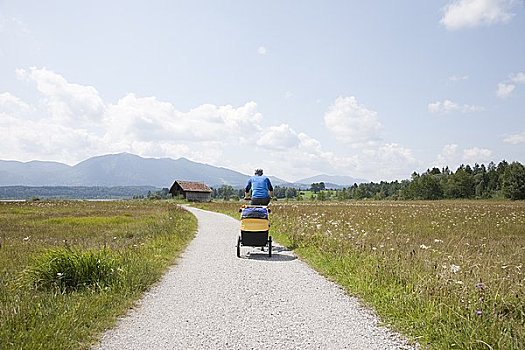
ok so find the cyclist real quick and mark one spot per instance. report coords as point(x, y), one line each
point(261, 188)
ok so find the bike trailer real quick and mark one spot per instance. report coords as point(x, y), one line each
point(255, 227)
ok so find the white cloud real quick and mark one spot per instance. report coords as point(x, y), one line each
point(388, 161)
point(458, 77)
point(448, 106)
point(504, 90)
point(21, 73)
point(515, 139)
point(472, 13)
point(24, 139)
point(518, 78)
point(148, 119)
point(385, 161)
point(158, 128)
point(68, 103)
point(280, 137)
point(261, 50)
point(352, 123)
point(472, 109)
point(448, 156)
point(299, 151)
point(145, 126)
point(442, 107)
point(74, 123)
point(452, 156)
point(477, 155)
point(12, 104)
point(150, 127)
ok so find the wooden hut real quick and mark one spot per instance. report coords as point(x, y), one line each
point(191, 191)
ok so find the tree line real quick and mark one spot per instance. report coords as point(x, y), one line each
point(503, 180)
point(74, 192)
point(482, 182)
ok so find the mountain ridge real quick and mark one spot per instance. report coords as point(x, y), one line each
point(126, 169)
point(121, 169)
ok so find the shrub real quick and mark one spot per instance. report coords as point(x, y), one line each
point(69, 270)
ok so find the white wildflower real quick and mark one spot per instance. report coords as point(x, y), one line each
point(455, 268)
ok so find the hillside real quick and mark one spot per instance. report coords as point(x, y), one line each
point(121, 169)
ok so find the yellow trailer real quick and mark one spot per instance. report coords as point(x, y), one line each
point(255, 228)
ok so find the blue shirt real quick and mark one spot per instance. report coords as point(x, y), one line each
point(260, 185)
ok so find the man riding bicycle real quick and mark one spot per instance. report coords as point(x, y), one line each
point(261, 188)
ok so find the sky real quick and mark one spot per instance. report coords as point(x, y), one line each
point(368, 89)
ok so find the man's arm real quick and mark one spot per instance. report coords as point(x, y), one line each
point(270, 187)
point(248, 188)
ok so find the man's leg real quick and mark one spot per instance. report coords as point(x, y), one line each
point(260, 201)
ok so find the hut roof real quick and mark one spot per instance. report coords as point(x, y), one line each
point(190, 186)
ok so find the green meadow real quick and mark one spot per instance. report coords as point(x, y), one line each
point(68, 269)
point(448, 274)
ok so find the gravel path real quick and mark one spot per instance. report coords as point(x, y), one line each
point(213, 300)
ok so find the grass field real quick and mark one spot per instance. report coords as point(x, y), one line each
point(449, 274)
point(69, 268)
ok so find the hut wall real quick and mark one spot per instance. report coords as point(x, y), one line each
point(198, 196)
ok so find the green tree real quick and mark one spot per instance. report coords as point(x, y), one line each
point(360, 192)
point(492, 180)
point(290, 192)
point(226, 192)
point(461, 184)
point(317, 186)
point(430, 187)
point(279, 192)
point(513, 181)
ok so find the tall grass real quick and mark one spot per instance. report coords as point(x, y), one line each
point(449, 274)
point(68, 268)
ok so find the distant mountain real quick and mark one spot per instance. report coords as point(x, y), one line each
point(331, 181)
point(32, 173)
point(125, 169)
point(121, 169)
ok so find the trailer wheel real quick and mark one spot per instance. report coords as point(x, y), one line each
point(270, 246)
point(239, 247)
